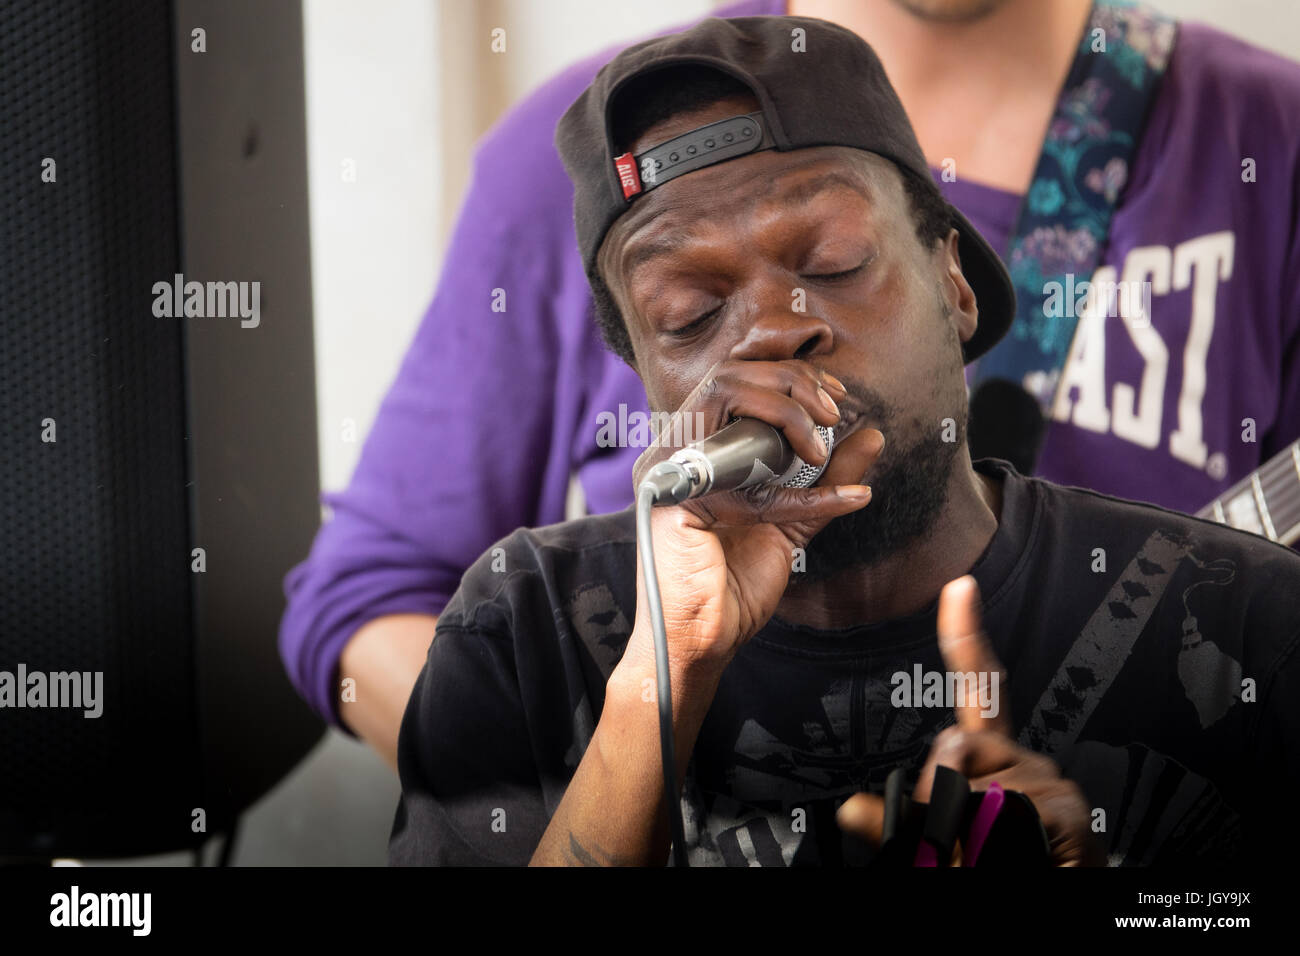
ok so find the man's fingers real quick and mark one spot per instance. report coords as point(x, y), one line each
point(801, 511)
point(791, 395)
point(974, 755)
point(806, 510)
point(967, 653)
point(850, 464)
point(863, 814)
point(853, 457)
point(950, 749)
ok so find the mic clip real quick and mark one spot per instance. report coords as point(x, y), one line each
point(671, 482)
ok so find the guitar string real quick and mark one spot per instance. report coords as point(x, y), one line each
point(1280, 496)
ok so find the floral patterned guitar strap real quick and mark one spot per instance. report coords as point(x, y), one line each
point(1061, 231)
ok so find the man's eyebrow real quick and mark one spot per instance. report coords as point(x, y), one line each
point(805, 190)
point(798, 194)
point(649, 249)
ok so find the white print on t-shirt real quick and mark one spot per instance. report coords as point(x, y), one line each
point(1137, 414)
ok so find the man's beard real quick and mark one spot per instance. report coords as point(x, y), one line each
point(909, 489)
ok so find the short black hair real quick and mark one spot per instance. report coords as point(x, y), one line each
point(649, 99)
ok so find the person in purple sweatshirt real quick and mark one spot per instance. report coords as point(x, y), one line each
point(508, 390)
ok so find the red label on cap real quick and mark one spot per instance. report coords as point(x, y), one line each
point(627, 175)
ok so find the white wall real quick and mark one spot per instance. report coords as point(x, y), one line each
point(373, 98)
point(1272, 24)
point(547, 36)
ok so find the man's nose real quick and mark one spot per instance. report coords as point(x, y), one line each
point(779, 332)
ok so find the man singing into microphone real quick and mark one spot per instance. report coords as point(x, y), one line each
point(764, 241)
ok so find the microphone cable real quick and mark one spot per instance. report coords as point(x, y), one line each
point(645, 500)
point(671, 482)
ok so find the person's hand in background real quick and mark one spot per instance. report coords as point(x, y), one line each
point(981, 746)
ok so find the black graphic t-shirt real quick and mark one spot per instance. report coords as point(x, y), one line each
point(1154, 656)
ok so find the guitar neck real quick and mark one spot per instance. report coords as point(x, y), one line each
point(1267, 502)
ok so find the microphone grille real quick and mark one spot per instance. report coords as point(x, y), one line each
point(805, 474)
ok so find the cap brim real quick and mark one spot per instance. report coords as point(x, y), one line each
point(995, 298)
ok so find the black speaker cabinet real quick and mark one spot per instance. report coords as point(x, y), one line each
point(159, 469)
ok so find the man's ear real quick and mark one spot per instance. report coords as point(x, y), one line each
point(613, 294)
point(956, 290)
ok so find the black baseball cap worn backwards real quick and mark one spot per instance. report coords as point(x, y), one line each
point(827, 90)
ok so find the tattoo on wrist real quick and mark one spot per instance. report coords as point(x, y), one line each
point(578, 855)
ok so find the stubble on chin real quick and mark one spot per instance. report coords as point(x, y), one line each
point(909, 493)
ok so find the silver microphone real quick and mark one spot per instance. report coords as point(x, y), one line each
point(744, 453)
